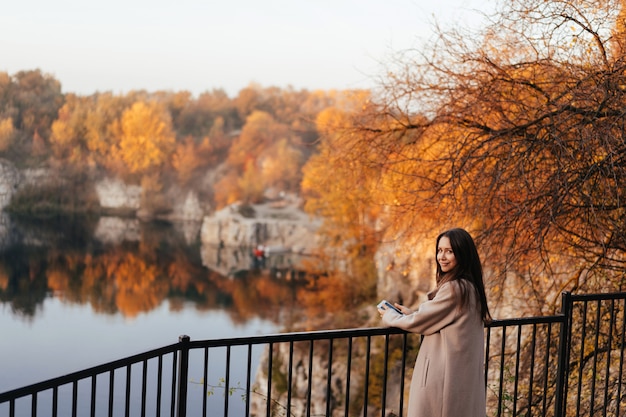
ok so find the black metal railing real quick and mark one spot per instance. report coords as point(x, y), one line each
point(567, 364)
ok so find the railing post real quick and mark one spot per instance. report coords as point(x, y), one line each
point(183, 374)
point(563, 355)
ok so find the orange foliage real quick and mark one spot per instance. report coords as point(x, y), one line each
point(259, 133)
point(7, 134)
point(58, 281)
point(338, 184)
point(146, 137)
point(227, 190)
point(251, 184)
point(248, 301)
point(137, 286)
point(186, 160)
point(327, 294)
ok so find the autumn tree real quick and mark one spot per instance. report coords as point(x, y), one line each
point(259, 132)
point(69, 131)
point(218, 140)
point(337, 187)
point(186, 160)
point(515, 133)
point(296, 109)
point(7, 134)
point(177, 103)
point(86, 129)
point(7, 112)
point(37, 97)
point(197, 117)
point(226, 189)
point(266, 154)
point(31, 100)
point(146, 138)
point(341, 190)
point(103, 127)
point(143, 148)
point(280, 166)
point(248, 100)
point(249, 183)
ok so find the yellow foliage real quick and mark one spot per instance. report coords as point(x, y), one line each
point(227, 190)
point(259, 133)
point(7, 134)
point(63, 132)
point(137, 287)
point(280, 166)
point(338, 181)
point(68, 131)
point(251, 184)
point(146, 137)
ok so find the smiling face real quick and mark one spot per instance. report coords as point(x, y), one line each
point(445, 255)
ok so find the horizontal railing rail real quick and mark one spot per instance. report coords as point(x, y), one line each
point(296, 337)
point(86, 373)
point(544, 366)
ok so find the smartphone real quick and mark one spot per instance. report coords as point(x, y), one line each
point(386, 304)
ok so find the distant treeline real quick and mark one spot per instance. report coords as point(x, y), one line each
point(232, 149)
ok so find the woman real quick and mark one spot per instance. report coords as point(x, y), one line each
point(448, 379)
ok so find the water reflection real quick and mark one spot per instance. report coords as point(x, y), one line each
point(119, 265)
point(78, 292)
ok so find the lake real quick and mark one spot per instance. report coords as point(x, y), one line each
point(76, 293)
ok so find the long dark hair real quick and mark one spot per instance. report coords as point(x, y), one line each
point(468, 268)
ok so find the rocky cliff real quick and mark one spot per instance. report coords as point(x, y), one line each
point(405, 270)
point(285, 233)
point(281, 227)
point(115, 194)
point(319, 379)
point(301, 381)
point(112, 193)
point(10, 179)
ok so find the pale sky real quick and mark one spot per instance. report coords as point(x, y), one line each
point(199, 45)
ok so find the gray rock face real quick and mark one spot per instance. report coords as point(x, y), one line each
point(287, 235)
point(406, 270)
point(115, 194)
point(10, 179)
point(189, 208)
point(277, 228)
point(300, 382)
point(116, 230)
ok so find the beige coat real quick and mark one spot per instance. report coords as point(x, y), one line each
point(448, 379)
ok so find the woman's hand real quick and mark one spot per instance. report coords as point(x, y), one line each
point(403, 309)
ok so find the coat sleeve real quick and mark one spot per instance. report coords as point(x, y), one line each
point(431, 316)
